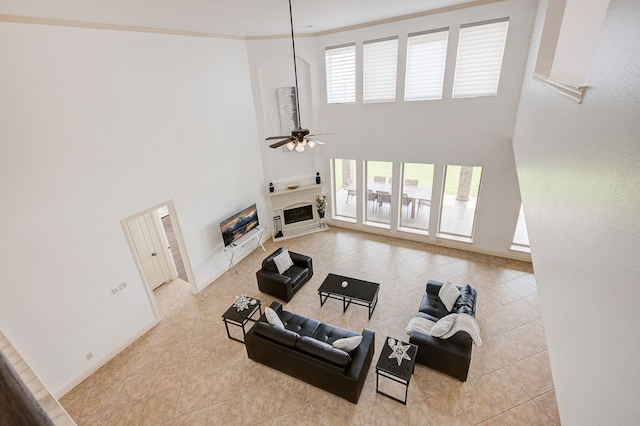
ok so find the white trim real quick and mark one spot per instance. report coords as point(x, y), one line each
point(569, 91)
point(108, 357)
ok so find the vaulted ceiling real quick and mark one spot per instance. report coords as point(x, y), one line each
point(233, 18)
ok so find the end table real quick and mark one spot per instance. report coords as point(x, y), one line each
point(240, 318)
point(397, 362)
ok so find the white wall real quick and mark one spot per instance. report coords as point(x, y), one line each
point(474, 132)
point(578, 168)
point(96, 126)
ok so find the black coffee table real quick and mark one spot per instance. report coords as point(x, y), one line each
point(358, 292)
point(389, 368)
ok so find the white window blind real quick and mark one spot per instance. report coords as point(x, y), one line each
point(380, 70)
point(426, 57)
point(340, 64)
point(480, 51)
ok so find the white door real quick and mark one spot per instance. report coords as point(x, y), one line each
point(149, 249)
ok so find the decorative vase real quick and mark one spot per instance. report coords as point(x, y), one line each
point(318, 178)
point(271, 188)
point(321, 213)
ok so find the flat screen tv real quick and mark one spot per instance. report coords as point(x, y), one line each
point(239, 224)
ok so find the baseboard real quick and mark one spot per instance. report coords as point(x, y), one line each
point(95, 367)
point(441, 242)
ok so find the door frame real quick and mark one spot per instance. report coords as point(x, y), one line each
point(160, 230)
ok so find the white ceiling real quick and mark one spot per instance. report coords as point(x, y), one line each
point(238, 18)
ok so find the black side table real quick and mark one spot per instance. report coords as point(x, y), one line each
point(389, 368)
point(240, 318)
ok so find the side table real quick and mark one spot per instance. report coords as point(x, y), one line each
point(240, 318)
point(388, 366)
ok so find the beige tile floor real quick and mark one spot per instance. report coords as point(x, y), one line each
point(186, 371)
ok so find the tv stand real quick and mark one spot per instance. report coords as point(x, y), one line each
point(230, 250)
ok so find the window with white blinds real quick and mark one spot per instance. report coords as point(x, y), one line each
point(426, 57)
point(480, 50)
point(340, 64)
point(380, 70)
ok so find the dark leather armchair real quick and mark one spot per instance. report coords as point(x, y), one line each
point(285, 285)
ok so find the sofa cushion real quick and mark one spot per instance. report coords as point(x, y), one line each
point(347, 344)
point(283, 261)
point(280, 335)
point(297, 274)
point(330, 333)
point(449, 294)
point(302, 325)
point(273, 317)
point(323, 351)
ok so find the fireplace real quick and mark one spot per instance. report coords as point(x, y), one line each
point(298, 214)
point(294, 211)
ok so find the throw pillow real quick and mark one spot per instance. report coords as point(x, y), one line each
point(420, 324)
point(443, 325)
point(273, 317)
point(348, 344)
point(283, 261)
point(449, 293)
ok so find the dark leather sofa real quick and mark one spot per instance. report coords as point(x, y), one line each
point(284, 286)
point(451, 356)
point(303, 350)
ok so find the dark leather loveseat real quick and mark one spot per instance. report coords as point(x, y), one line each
point(303, 350)
point(451, 356)
point(285, 285)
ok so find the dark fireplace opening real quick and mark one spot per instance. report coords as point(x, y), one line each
point(298, 214)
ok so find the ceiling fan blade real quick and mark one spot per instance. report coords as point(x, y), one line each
point(314, 140)
point(321, 134)
point(277, 137)
point(284, 142)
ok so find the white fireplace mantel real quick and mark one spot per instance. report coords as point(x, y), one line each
point(288, 198)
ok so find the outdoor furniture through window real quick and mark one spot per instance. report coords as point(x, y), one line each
point(379, 179)
point(371, 196)
point(384, 197)
point(411, 182)
point(351, 192)
point(406, 201)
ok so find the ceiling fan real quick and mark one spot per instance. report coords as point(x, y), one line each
point(299, 137)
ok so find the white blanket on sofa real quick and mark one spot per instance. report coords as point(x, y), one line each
point(449, 325)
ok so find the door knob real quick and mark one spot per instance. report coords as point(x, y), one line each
point(154, 254)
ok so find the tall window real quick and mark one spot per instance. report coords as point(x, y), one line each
point(521, 236)
point(480, 50)
point(378, 191)
point(380, 70)
point(426, 57)
point(345, 188)
point(415, 204)
point(340, 64)
point(460, 200)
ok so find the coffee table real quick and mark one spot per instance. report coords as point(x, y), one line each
point(389, 368)
point(358, 292)
point(240, 318)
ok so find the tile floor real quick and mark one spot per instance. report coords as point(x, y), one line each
point(186, 371)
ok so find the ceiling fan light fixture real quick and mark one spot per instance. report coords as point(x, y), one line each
point(291, 145)
point(300, 147)
point(311, 144)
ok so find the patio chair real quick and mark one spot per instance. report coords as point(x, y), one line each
point(411, 182)
point(350, 192)
point(379, 179)
point(384, 197)
point(406, 201)
point(371, 196)
point(423, 203)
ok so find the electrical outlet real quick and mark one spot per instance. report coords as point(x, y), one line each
point(89, 355)
point(122, 286)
